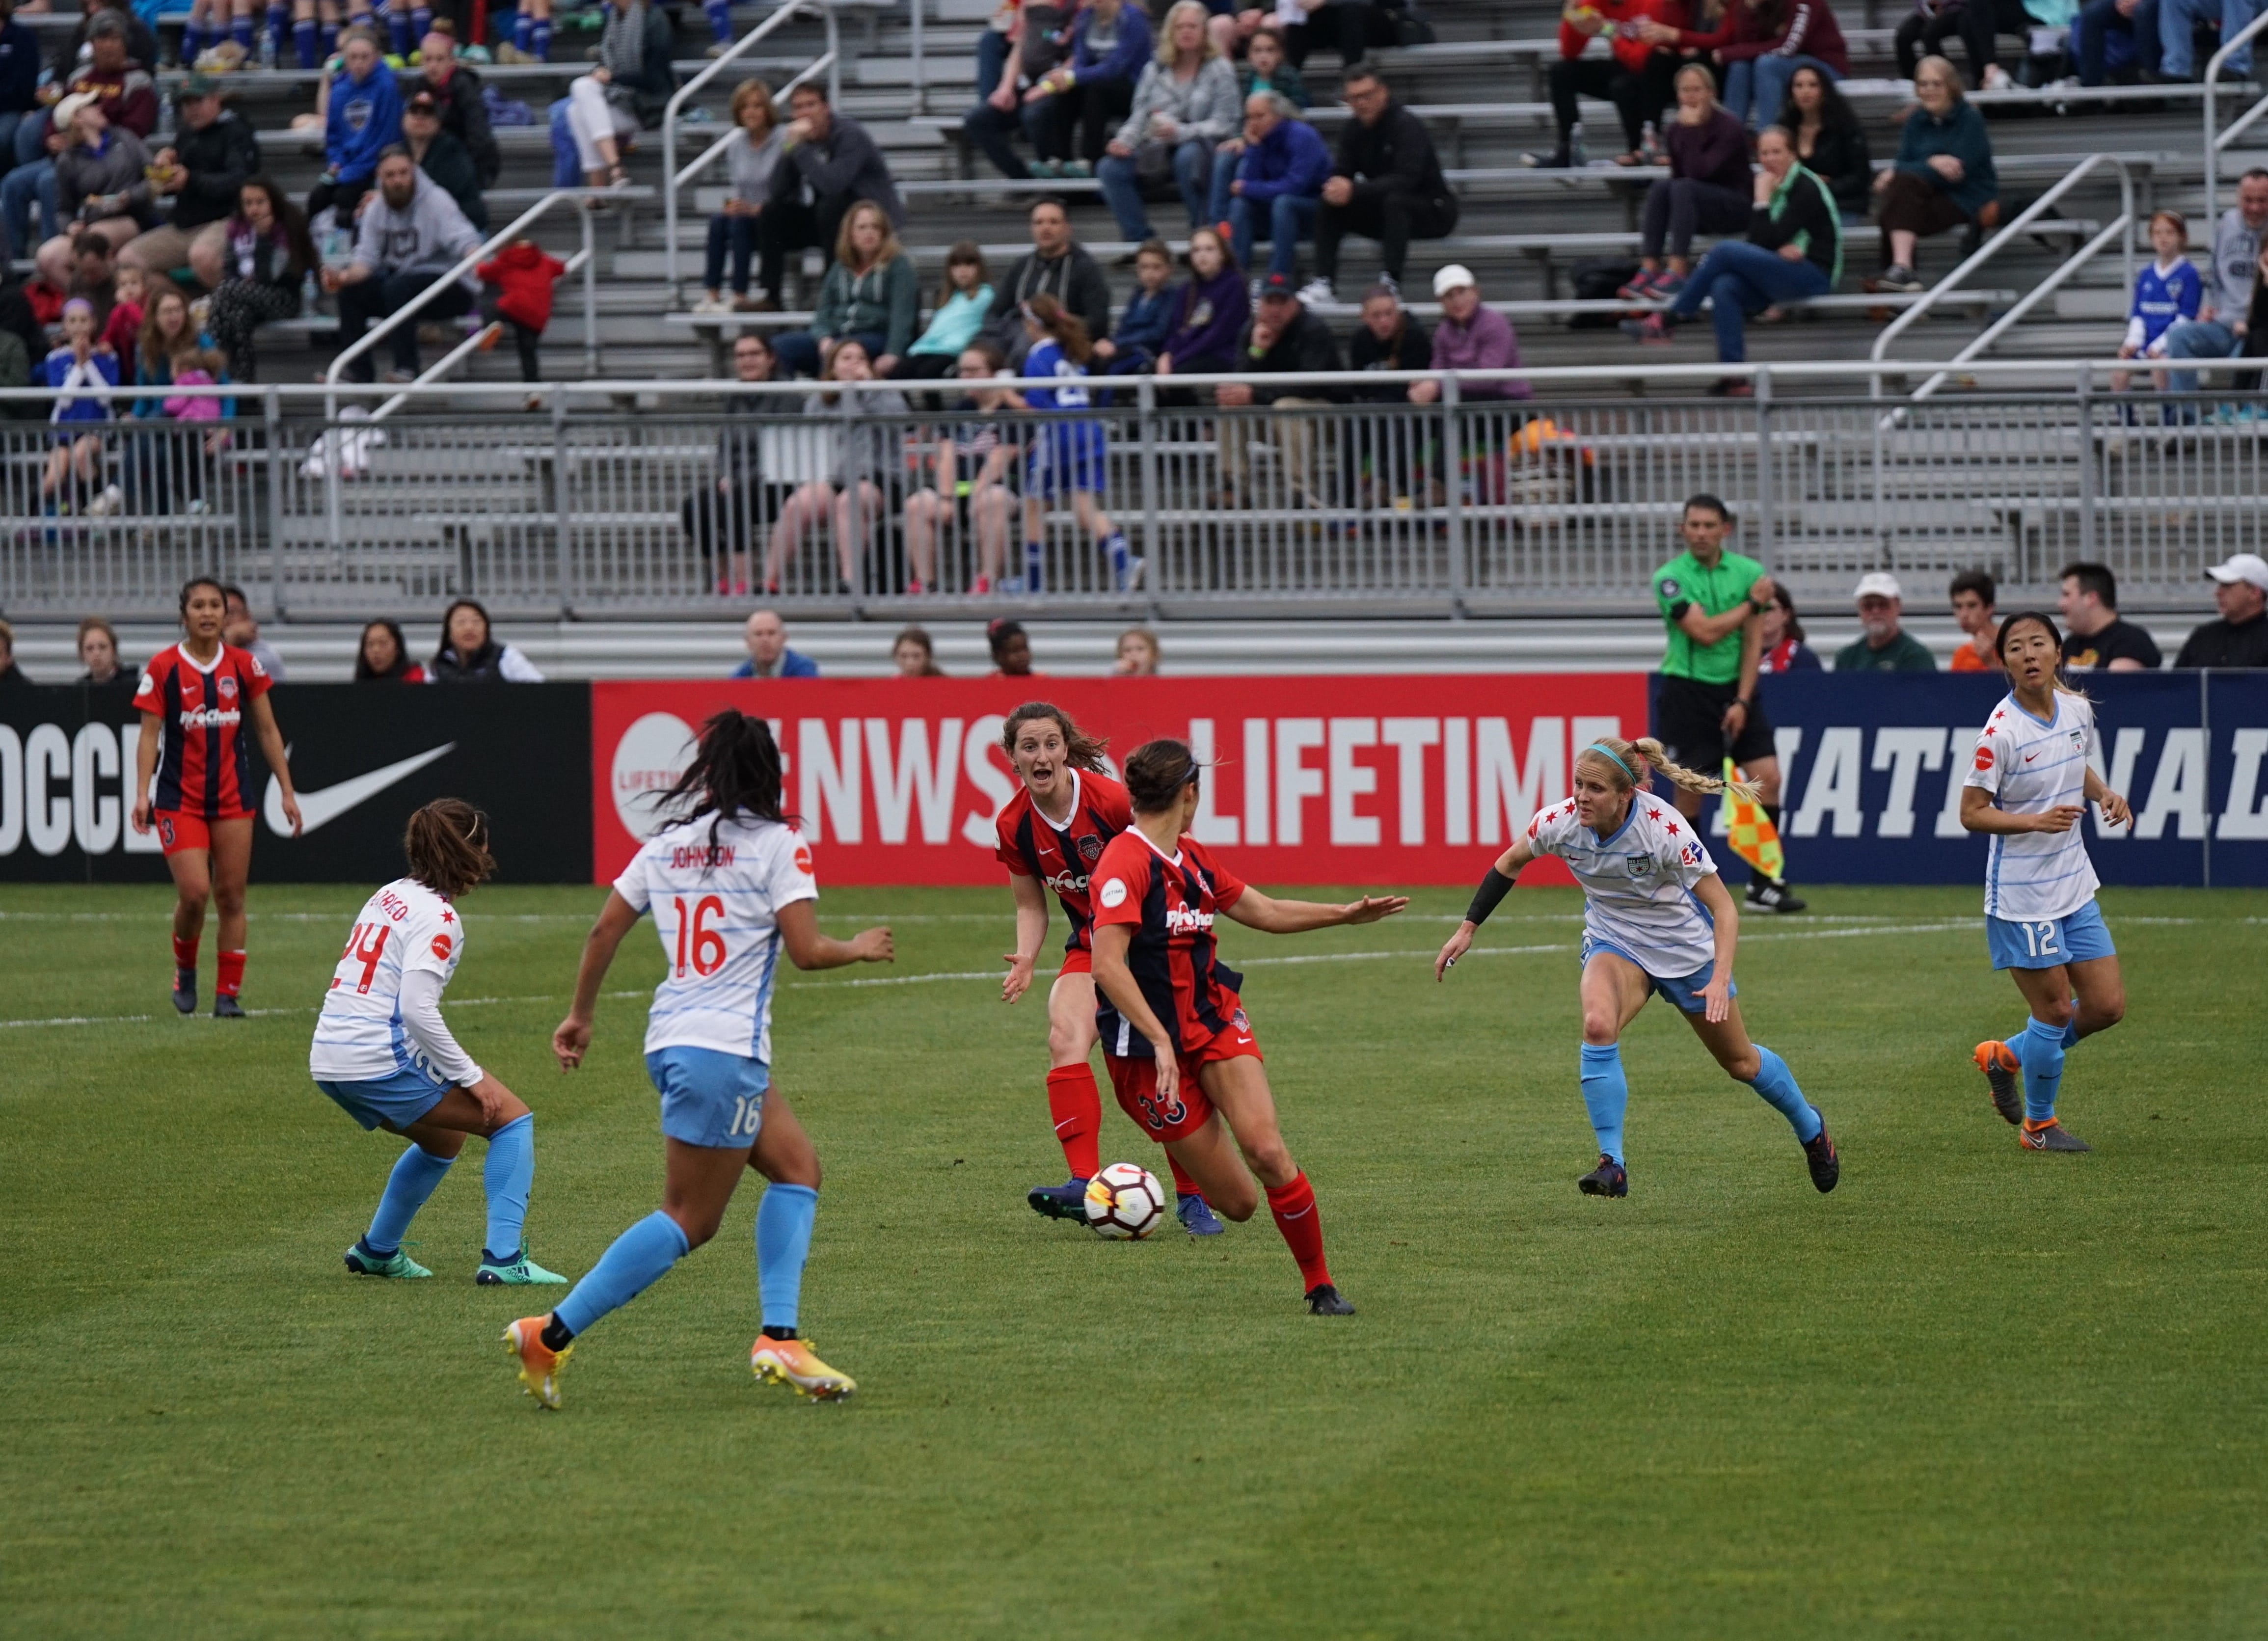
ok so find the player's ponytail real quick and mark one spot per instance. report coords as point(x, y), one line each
point(1632, 763)
point(1080, 751)
point(447, 845)
point(1067, 329)
point(2055, 637)
point(736, 770)
point(1155, 773)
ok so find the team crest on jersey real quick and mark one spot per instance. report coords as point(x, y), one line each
point(2079, 740)
point(227, 688)
point(1637, 866)
point(1090, 849)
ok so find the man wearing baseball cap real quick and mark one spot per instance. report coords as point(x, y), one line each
point(1282, 336)
point(1470, 337)
point(2240, 638)
point(204, 168)
point(1887, 647)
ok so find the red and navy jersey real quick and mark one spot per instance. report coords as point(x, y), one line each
point(1171, 901)
point(204, 767)
point(1062, 857)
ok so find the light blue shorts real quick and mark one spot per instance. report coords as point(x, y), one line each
point(709, 1098)
point(2046, 942)
point(394, 1102)
point(1685, 994)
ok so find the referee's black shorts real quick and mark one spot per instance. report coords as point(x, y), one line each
point(1689, 719)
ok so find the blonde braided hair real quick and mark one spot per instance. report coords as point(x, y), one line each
point(1624, 763)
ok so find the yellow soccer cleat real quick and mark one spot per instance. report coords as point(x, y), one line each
point(539, 1364)
point(791, 1362)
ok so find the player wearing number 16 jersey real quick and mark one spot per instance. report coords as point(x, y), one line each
point(727, 897)
point(2027, 787)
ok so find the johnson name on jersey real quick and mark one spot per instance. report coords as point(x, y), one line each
point(359, 1036)
point(715, 906)
point(1638, 884)
point(2030, 766)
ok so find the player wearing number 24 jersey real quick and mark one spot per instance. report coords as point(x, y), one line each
point(2027, 788)
point(730, 887)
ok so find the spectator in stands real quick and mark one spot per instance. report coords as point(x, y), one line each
point(12, 676)
point(138, 37)
point(1784, 649)
point(1974, 597)
point(383, 656)
point(524, 275)
point(239, 627)
point(531, 35)
point(626, 92)
point(1831, 142)
point(442, 158)
point(120, 330)
point(1386, 184)
point(870, 293)
point(1943, 177)
point(725, 518)
point(749, 162)
point(464, 106)
point(97, 652)
point(1760, 44)
point(1708, 189)
point(1794, 252)
point(1385, 458)
point(90, 274)
point(2094, 637)
point(77, 456)
point(1352, 26)
point(213, 154)
point(470, 654)
point(2218, 330)
point(411, 234)
point(769, 655)
point(1279, 183)
point(1011, 649)
point(913, 655)
point(1211, 316)
point(827, 163)
point(266, 256)
point(1149, 315)
point(102, 187)
point(19, 80)
point(1055, 266)
point(956, 319)
point(2240, 638)
point(1137, 654)
point(117, 79)
point(2133, 24)
point(1470, 337)
point(1265, 68)
point(1884, 646)
point(974, 465)
point(2177, 24)
point(1184, 105)
point(1634, 76)
point(162, 470)
point(2167, 293)
point(1283, 338)
point(1093, 90)
point(866, 459)
point(1040, 36)
point(364, 120)
point(1976, 22)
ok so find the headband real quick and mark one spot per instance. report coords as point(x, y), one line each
point(1602, 746)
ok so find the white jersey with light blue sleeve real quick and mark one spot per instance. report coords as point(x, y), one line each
point(1637, 883)
point(2030, 766)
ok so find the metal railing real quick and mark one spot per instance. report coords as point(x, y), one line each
point(673, 180)
point(2216, 140)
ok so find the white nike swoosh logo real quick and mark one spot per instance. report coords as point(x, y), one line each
point(319, 808)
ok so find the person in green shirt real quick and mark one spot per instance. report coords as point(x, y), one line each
point(1887, 647)
point(1711, 602)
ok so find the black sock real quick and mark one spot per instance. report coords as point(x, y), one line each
point(557, 1335)
point(779, 1333)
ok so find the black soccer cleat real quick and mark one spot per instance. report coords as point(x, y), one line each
point(185, 990)
point(227, 1008)
point(1772, 895)
point(1067, 1201)
point(1326, 1300)
point(1819, 1153)
point(2049, 1136)
point(1609, 1179)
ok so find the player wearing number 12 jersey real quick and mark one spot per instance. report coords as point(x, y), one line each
point(726, 897)
point(1181, 1052)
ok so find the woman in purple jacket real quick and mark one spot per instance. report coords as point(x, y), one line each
point(1706, 191)
point(1214, 307)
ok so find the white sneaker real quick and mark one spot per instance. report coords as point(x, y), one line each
point(1996, 78)
point(712, 304)
point(109, 502)
point(1317, 290)
point(1135, 569)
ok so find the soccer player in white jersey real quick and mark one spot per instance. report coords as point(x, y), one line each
point(2026, 787)
point(1656, 918)
point(383, 1052)
point(726, 897)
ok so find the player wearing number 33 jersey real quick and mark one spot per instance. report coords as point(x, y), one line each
point(730, 885)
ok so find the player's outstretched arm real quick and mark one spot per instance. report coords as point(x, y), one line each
point(1717, 996)
point(1255, 910)
point(2115, 812)
point(807, 948)
point(1978, 814)
point(573, 1037)
point(1031, 930)
point(271, 747)
point(1115, 981)
point(1493, 887)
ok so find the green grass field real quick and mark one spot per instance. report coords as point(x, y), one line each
point(1973, 1393)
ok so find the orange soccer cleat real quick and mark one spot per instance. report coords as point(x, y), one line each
point(2003, 1071)
point(791, 1362)
point(538, 1363)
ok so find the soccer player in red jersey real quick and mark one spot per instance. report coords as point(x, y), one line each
point(1051, 834)
point(1181, 1052)
point(193, 783)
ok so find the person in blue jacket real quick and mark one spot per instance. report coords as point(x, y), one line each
point(1111, 43)
point(365, 117)
point(19, 76)
point(2167, 293)
point(769, 655)
point(1279, 183)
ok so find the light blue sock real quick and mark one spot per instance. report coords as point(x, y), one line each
point(2041, 1049)
point(506, 1175)
point(1776, 1083)
point(720, 19)
point(2071, 1031)
point(415, 1176)
point(636, 1260)
point(783, 1242)
point(1605, 1090)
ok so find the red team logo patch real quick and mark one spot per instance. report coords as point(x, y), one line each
point(1984, 756)
point(803, 857)
point(441, 947)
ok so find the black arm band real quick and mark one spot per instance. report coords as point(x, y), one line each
point(1493, 888)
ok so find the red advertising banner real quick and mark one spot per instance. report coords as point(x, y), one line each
point(1355, 780)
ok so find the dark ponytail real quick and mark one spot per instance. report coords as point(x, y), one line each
point(1155, 773)
point(448, 844)
point(736, 770)
point(1081, 752)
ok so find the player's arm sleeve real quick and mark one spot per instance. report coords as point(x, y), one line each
point(792, 879)
point(262, 683)
point(1227, 887)
point(632, 886)
point(1119, 888)
point(1686, 856)
point(1670, 597)
point(421, 1017)
point(1547, 830)
point(1985, 767)
point(146, 695)
point(1006, 853)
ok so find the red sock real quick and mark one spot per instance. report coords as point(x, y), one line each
point(231, 975)
point(1302, 1226)
point(1183, 1186)
point(1076, 1104)
point(185, 952)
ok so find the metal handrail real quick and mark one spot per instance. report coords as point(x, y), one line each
point(2216, 139)
point(2031, 300)
point(441, 367)
point(1991, 247)
point(709, 156)
point(671, 181)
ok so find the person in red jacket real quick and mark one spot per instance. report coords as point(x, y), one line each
point(523, 274)
point(1635, 75)
point(1757, 46)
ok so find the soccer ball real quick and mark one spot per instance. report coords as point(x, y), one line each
point(1124, 1202)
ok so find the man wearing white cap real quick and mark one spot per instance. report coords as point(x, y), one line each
point(1885, 647)
point(1470, 337)
point(2240, 638)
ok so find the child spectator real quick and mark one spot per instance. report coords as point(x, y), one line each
point(1214, 306)
point(2167, 293)
point(956, 321)
point(201, 367)
point(1973, 595)
point(523, 275)
point(384, 657)
point(1137, 654)
point(81, 363)
point(914, 656)
point(120, 331)
point(974, 465)
point(1133, 346)
point(1265, 68)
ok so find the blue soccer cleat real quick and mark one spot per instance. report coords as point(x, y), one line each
point(1609, 1179)
point(1197, 1215)
point(1067, 1201)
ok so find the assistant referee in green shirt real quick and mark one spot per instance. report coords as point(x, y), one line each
point(1710, 601)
